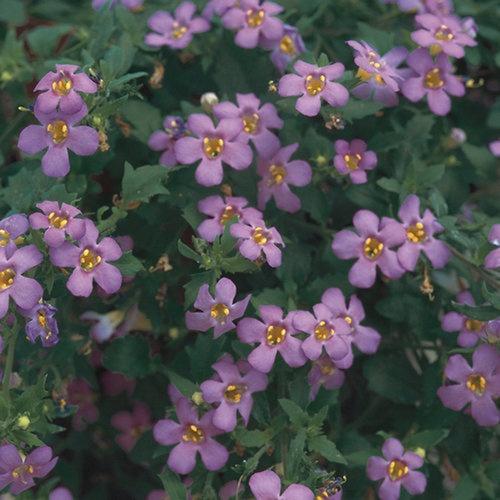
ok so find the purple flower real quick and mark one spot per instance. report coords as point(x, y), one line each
point(11, 228)
point(25, 292)
point(221, 212)
point(60, 493)
point(90, 261)
point(256, 121)
point(278, 172)
point(193, 435)
point(324, 372)
point(115, 323)
point(230, 490)
point(81, 395)
point(41, 323)
point(218, 312)
point(219, 7)
point(19, 472)
point(275, 334)
point(325, 332)
point(379, 74)
point(213, 145)
point(164, 140)
point(434, 80)
point(132, 425)
point(442, 34)
point(128, 4)
point(255, 238)
point(232, 392)
point(494, 148)
point(353, 159)
point(470, 329)
point(176, 32)
point(478, 385)
point(286, 49)
point(254, 21)
point(58, 133)
point(492, 260)
point(313, 83)
point(371, 244)
point(59, 89)
point(59, 220)
point(397, 469)
point(366, 339)
point(420, 233)
point(266, 485)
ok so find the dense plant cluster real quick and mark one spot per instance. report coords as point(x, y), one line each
point(248, 249)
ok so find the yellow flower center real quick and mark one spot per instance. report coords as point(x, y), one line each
point(444, 34)
point(348, 320)
point(58, 130)
point(374, 60)
point(4, 238)
point(416, 233)
point(193, 434)
point(178, 31)
point(21, 471)
point(323, 331)
point(58, 221)
point(213, 147)
point(433, 79)
point(287, 45)
point(7, 278)
point(251, 123)
point(366, 75)
point(42, 319)
point(219, 312)
point(89, 260)
point(352, 161)
point(62, 86)
point(476, 383)
point(234, 392)
point(275, 334)
point(372, 248)
point(315, 84)
point(397, 470)
point(278, 173)
point(260, 236)
point(474, 325)
point(255, 17)
point(326, 368)
point(228, 213)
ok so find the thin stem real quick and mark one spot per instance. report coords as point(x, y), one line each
point(10, 361)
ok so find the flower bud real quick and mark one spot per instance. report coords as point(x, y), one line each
point(208, 101)
point(197, 398)
point(23, 422)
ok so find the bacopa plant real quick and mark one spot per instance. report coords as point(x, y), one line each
point(249, 249)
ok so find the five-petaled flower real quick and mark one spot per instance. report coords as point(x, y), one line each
point(175, 31)
point(191, 435)
point(213, 145)
point(60, 90)
point(396, 468)
point(218, 312)
point(256, 121)
point(312, 84)
point(354, 160)
point(59, 221)
point(132, 425)
point(420, 233)
point(278, 172)
point(90, 261)
point(41, 323)
point(324, 372)
point(232, 392)
point(275, 333)
point(57, 134)
point(478, 385)
point(371, 244)
point(434, 79)
point(19, 472)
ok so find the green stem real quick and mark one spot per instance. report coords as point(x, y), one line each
point(10, 361)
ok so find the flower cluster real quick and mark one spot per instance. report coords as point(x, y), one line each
point(59, 108)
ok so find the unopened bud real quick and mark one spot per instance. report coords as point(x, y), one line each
point(197, 398)
point(419, 451)
point(208, 101)
point(23, 422)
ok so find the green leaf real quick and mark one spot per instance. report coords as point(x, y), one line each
point(143, 117)
point(173, 485)
point(482, 313)
point(391, 185)
point(381, 40)
point(188, 252)
point(466, 489)
point(355, 109)
point(322, 445)
point(128, 264)
point(142, 183)
point(252, 439)
point(295, 413)
point(128, 355)
point(184, 385)
point(12, 11)
point(44, 39)
point(238, 264)
point(295, 453)
point(426, 439)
